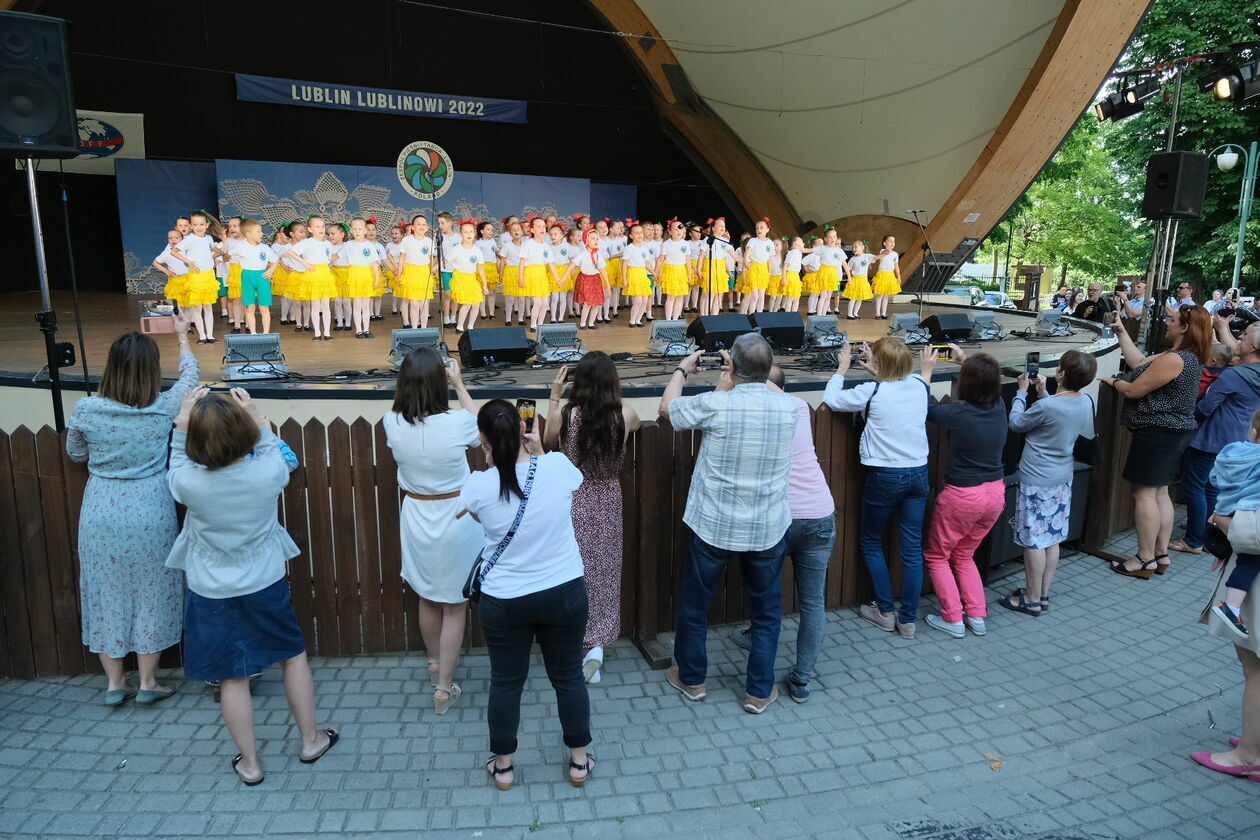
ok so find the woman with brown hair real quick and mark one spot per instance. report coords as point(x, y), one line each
point(592, 431)
point(130, 600)
point(1159, 409)
point(430, 443)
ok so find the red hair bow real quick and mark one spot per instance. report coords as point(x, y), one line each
point(504, 220)
point(632, 222)
point(766, 219)
point(671, 221)
point(370, 220)
point(718, 219)
point(403, 225)
point(579, 216)
point(606, 220)
point(472, 222)
point(533, 218)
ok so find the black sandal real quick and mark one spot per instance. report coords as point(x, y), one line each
point(333, 737)
point(1145, 569)
point(495, 771)
point(1022, 606)
point(244, 780)
point(589, 767)
point(1160, 568)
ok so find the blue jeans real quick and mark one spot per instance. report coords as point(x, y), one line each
point(809, 543)
point(905, 490)
point(702, 575)
point(1199, 493)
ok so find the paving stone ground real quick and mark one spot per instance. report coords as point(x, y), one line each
point(1091, 709)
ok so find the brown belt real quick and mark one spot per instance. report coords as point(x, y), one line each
point(422, 497)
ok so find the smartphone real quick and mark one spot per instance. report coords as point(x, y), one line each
point(943, 352)
point(450, 364)
point(1032, 365)
point(709, 361)
point(527, 409)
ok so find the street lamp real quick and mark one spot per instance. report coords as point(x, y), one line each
point(1226, 160)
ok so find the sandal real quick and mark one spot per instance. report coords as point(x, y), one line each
point(433, 672)
point(495, 771)
point(1142, 572)
point(1160, 568)
point(442, 706)
point(241, 776)
point(588, 767)
point(1023, 606)
point(1184, 547)
point(333, 737)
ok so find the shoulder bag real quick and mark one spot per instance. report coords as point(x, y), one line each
point(1086, 449)
point(482, 566)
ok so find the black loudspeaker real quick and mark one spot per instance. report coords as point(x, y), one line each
point(718, 332)
point(1175, 183)
point(36, 99)
point(502, 345)
point(783, 329)
point(948, 326)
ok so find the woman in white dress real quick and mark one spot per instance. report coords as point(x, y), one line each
point(430, 443)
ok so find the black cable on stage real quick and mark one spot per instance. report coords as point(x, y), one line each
point(74, 282)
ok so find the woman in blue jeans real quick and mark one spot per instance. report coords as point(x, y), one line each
point(532, 586)
point(894, 449)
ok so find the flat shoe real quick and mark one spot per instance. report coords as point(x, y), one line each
point(333, 737)
point(116, 696)
point(1246, 771)
point(241, 776)
point(1184, 547)
point(146, 697)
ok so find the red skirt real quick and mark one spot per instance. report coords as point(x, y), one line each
point(590, 290)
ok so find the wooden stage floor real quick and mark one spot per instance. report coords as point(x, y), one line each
point(107, 315)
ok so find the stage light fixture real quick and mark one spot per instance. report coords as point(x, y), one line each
point(670, 339)
point(908, 323)
point(1117, 106)
point(403, 341)
point(558, 343)
point(255, 356)
point(985, 327)
point(1141, 91)
point(1239, 83)
point(824, 331)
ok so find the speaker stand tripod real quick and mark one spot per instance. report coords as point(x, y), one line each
point(47, 317)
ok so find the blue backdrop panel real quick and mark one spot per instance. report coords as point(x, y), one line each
point(614, 201)
point(533, 195)
point(151, 194)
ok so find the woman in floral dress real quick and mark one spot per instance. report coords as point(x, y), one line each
point(591, 431)
point(130, 600)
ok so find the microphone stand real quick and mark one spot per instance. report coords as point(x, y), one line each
point(931, 261)
point(441, 298)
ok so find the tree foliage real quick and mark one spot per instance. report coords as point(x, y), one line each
point(1083, 210)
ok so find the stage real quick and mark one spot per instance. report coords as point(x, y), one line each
point(358, 369)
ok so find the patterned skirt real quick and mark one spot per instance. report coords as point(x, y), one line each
point(1042, 515)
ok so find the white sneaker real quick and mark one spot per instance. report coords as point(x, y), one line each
point(595, 678)
point(975, 625)
point(953, 628)
point(592, 662)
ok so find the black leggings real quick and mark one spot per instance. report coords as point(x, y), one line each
point(557, 618)
point(1246, 567)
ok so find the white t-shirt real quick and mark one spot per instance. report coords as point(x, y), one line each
point(776, 265)
point(653, 247)
point(290, 262)
point(338, 255)
point(830, 254)
point(417, 251)
point(544, 552)
point(635, 256)
point(812, 261)
point(450, 241)
point(465, 259)
point(489, 250)
point(379, 248)
point(588, 266)
point(534, 253)
point(314, 251)
point(792, 260)
point(392, 250)
point(168, 260)
point(693, 248)
point(860, 264)
point(760, 250)
point(253, 257)
point(199, 249)
point(721, 250)
point(561, 255)
point(888, 261)
point(676, 253)
point(359, 253)
point(504, 238)
point(511, 253)
point(432, 454)
point(613, 246)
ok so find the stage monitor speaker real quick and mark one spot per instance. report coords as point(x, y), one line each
point(782, 329)
point(947, 326)
point(718, 332)
point(502, 345)
point(36, 98)
point(1175, 184)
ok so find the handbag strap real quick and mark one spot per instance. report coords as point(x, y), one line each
point(1093, 417)
point(516, 523)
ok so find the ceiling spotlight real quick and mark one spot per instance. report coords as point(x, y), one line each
point(1141, 91)
point(1238, 83)
point(1117, 107)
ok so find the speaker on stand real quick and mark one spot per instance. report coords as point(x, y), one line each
point(37, 119)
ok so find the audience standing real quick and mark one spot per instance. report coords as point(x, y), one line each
point(1159, 410)
point(1043, 503)
point(127, 525)
point(430, 444)
point(591, 431)
point(737, 509)
point(894, 449)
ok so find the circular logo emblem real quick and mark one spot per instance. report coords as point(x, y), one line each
point(366, 252)
point(262, 255)
point(98, 138)
point(425, 170)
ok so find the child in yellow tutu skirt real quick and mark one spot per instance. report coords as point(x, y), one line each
point(792, 285)
point(201, 285)
point(757, 253)
point(859, 287)
point(337, 235)
point(390, 264)
point(694, 233)
point(831, 270)
point(810, 261)
point(415, 273)
point(297, 278)
point(561, 263)
point(774, 292)
point(674, 270)
point(378, 292)
point(634, 261)
point(469, 285)
point(280, 274)
point(176, 271)
point(573, 248)
point(489, 248)
point(363, 277)
point(888, 278)
point(315, 253)
point(536, 271)
point(613, 241)
point(510, 274)
point(716, 261)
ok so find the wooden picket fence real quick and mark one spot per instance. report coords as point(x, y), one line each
point(342, 509)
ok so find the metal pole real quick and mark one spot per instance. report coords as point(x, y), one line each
point(47, 317)
point(1244, 208)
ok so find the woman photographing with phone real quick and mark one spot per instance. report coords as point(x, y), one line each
point(530, 583)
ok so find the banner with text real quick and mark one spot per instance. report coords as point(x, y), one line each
point(377, 100)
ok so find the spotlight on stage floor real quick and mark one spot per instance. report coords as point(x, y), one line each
point(986, 327)
point(558, 343)
point(824, 331)
point(906, 324)
point(669, 339)
point(1050, 323)
point(255, 356)
point(404, 341)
